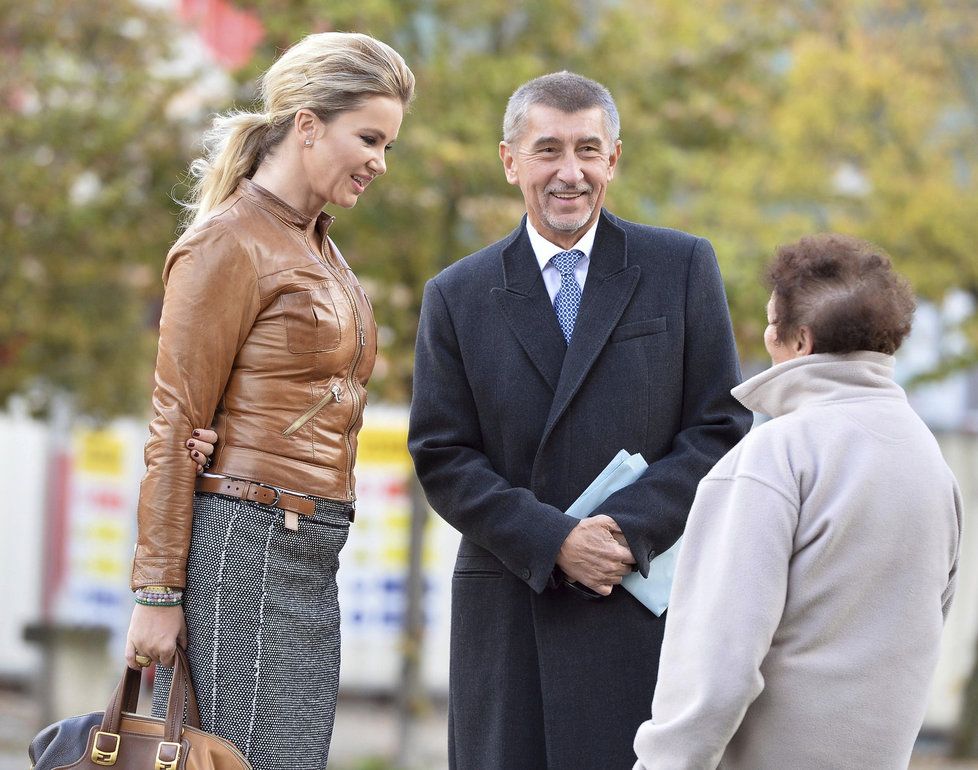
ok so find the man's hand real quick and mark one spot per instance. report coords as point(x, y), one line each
point(595, 554)
point(201, 447)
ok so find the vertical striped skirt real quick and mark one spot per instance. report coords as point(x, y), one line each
point(263, 628)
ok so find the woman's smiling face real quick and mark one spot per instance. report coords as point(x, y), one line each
point(348, 152)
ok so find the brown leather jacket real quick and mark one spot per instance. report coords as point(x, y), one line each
point(267, 334)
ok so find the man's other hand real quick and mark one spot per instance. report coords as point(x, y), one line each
point(595, 554)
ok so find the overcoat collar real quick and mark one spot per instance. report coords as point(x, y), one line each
point(527, 309)
point(529, 312)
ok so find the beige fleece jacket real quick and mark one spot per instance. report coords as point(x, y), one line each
point(816, 572)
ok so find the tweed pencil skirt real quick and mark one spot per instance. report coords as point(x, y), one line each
point(263, 628)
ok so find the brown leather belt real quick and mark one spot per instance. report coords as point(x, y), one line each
point(257, 492)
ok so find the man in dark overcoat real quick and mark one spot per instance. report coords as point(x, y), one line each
point(539, 358)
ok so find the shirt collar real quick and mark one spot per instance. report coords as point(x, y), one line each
point(544, 249)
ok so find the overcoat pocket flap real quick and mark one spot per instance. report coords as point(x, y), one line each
point(478, 566)
point(639, 329)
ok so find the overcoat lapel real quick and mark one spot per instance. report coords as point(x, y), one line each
point(527, 309)
point(607, 291)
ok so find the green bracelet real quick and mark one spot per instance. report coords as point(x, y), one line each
point(158, 603)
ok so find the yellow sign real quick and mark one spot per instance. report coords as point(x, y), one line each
point(100, 452)
point(383, 446)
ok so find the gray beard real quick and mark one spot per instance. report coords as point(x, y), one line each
point(564, 226)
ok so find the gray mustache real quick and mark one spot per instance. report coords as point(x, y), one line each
point(587, 189)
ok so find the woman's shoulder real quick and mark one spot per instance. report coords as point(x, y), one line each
point(772, 452)
point(197, 233)
point(212, 242)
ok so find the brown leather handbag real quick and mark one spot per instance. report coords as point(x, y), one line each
point(122, 739)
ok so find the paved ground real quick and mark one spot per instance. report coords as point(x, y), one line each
point(366, 737)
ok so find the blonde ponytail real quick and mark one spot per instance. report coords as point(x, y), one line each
point(327, 73)
point(231, 150)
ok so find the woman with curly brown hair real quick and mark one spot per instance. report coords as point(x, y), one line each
point(820, 554)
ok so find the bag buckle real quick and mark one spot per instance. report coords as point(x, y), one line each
point(169, 762)
point(102, 756)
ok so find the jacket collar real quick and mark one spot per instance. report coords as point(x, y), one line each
point(521, 270)
point(610, 283)
point(527, 308)
point(280, 209)
point(819, 378)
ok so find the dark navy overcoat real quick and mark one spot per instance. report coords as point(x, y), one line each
point(509, 425)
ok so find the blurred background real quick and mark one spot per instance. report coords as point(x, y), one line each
point(751, 123)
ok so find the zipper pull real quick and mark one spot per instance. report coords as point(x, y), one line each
point(333, 393)
point(363, 338)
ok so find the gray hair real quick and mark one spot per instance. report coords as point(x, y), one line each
point(564, 91)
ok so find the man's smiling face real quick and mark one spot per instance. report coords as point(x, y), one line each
point(563, 163)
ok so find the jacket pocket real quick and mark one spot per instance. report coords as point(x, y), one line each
point(478, 567)
point(639, 329)
point(312, 324)
point(333, 394)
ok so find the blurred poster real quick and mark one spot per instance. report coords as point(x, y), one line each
point(374, 564)
point(96, 527)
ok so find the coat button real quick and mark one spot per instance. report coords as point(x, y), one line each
point(525, 573)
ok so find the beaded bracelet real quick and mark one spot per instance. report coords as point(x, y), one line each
point(149, 592)
point(158, 600)
point(158, 596)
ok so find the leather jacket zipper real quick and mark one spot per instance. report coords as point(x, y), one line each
point(353, 391)
point(362, 339)
point(334, 392)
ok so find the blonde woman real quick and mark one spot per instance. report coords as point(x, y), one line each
point(266, 334)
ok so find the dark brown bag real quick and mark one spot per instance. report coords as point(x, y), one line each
point(125, 740)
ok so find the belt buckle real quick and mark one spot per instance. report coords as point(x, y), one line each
point(276, 490)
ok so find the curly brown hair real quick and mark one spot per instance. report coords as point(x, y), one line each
point(844, 290)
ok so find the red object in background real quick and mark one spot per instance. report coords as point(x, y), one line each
point(230, 34)
point(56, 524)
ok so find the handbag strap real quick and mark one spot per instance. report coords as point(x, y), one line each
point(130, 696)
point(125, 697)
point(193, 711)
point(181, 694)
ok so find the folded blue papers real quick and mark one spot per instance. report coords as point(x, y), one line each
point(624, 468)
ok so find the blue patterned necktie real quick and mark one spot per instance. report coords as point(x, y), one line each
point(568, 298)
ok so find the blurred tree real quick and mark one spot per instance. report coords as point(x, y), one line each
point(874, 133)
point(90, 151)
point(749, 123)
point(762, 122)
